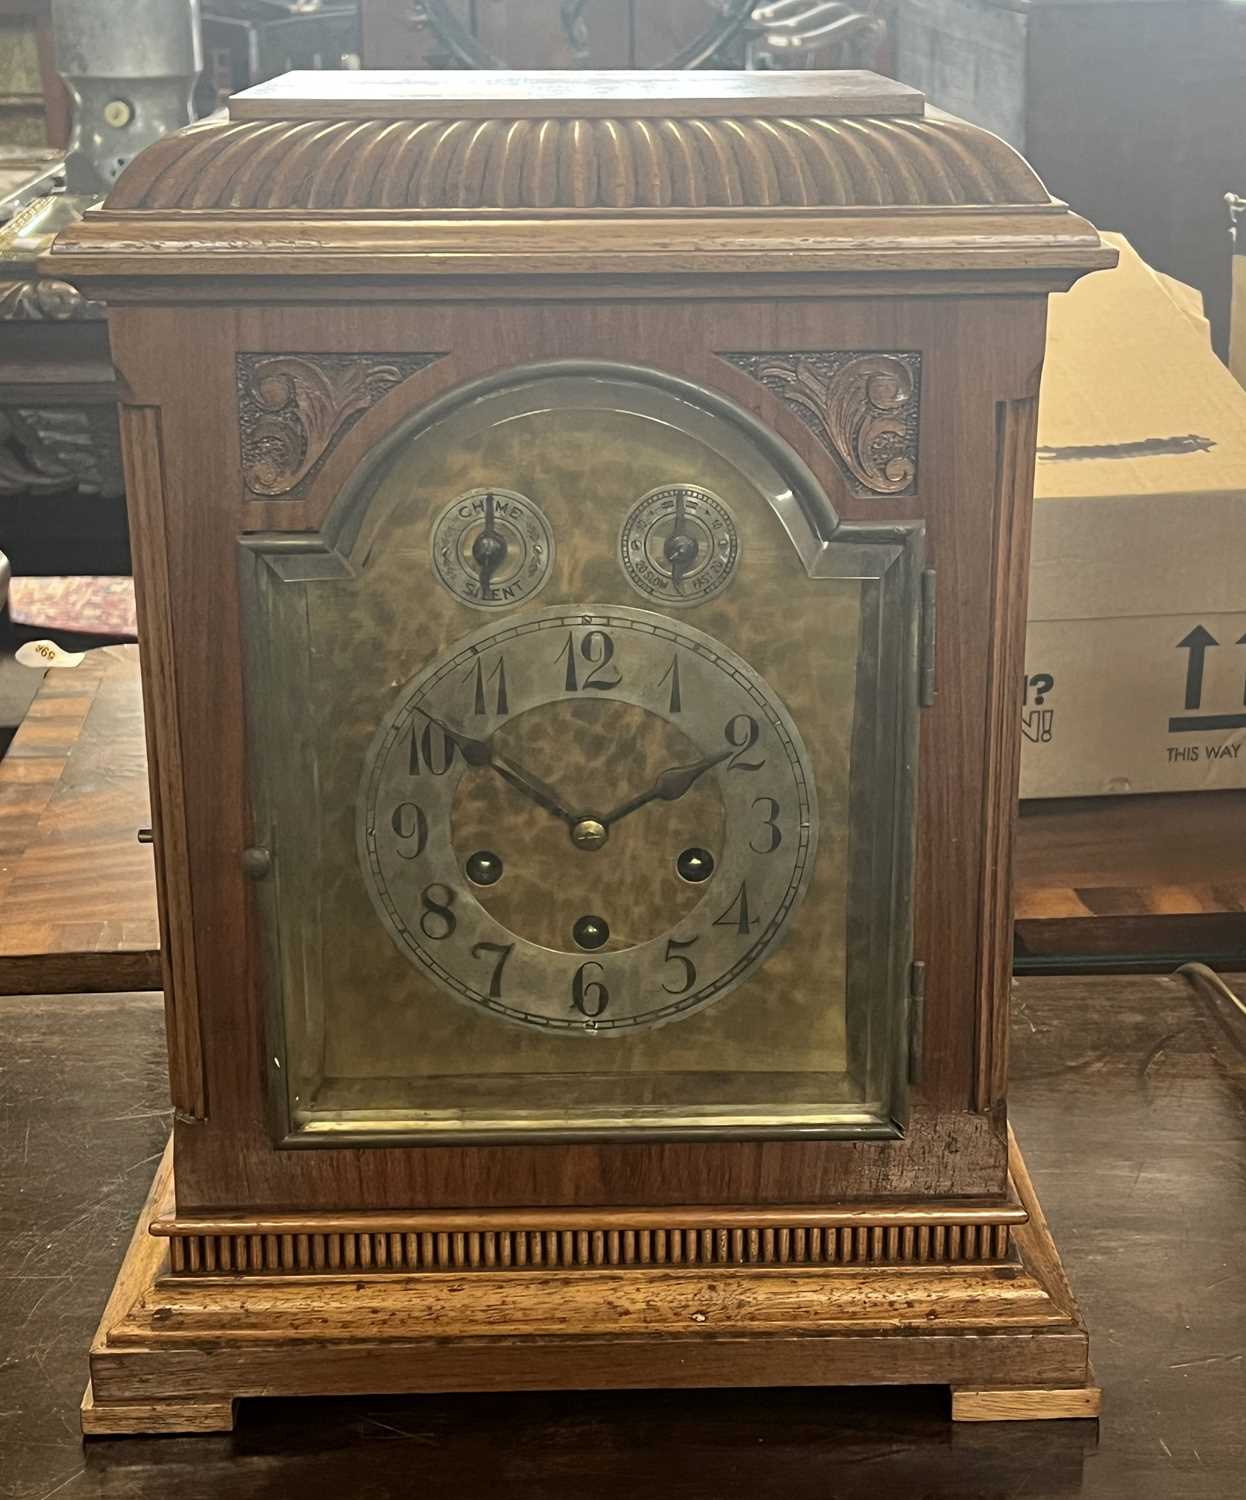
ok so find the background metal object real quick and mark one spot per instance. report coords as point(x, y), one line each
point(785, 33)
point(25, 173)
point(130, 66)
point(736, 33)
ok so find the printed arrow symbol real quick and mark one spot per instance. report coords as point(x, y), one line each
point(1196, 643)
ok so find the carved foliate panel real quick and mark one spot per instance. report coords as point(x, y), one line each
point(863, 408)
point(293, 409)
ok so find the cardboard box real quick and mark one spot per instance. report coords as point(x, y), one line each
point(1136, 649)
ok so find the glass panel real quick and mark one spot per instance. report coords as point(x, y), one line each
point(622, 845)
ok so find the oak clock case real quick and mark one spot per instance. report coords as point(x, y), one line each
point(583, 737)
point(549, 887)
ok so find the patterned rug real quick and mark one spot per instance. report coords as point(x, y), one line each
point(78, 606)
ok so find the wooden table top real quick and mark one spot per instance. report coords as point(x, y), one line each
point(77, 889)
point(1113, 882)
point(1129, 1098)
point(1145, 882)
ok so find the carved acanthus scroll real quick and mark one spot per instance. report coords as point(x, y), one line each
point(863, 408)
point(294, 408)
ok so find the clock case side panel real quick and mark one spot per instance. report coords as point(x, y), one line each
point(143, 447)
point(977, 351)
point(884, 559)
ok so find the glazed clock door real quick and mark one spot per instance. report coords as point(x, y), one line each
point(583, 746)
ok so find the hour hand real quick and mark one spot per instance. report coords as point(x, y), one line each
point(669, 787)
point(482, 753)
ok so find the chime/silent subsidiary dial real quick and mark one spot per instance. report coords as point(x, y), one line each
point(492, 548)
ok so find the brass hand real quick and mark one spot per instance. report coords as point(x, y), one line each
point(669, 787)
point(481, 753)
point(489, 549)
point(681, 546)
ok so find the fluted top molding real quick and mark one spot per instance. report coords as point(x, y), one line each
point(437, 173)
point(610, 163)
point(326, 142)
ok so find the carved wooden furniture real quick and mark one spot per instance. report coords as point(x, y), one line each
point(726, 366)
point(61, 485)
point(129, 69)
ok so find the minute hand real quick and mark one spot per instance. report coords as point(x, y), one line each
point(481, 753)
point(669, 787)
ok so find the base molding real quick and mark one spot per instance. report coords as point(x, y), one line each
point(174, 1352)
point(160, 1415)
point(1008, 1404)
point(586, 1240)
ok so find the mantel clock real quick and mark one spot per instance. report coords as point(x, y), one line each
point(584, 866)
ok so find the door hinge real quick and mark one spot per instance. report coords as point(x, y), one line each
point(926, 664)
point(917, 1019)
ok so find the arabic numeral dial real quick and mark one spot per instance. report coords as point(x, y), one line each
point(587, 820)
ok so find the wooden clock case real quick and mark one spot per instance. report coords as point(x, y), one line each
point(340, 252)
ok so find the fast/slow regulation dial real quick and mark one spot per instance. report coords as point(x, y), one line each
point(679, 545)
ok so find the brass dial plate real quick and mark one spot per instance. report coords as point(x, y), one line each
point(374, 1048)
point(581, 704)
point(679, 545)
point(492, 548)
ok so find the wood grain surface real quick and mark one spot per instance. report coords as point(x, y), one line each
point(1135, 1065)
point(1167, 854)
point(378, 94)
point(700, 281)
point(968, 367)
point(547, 162)
point(1139, 882)
point(756, 174)
point(207, 1339)
point(77, 892)
point(142, 444)
point(1017, 426)
point(1000, 1404)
